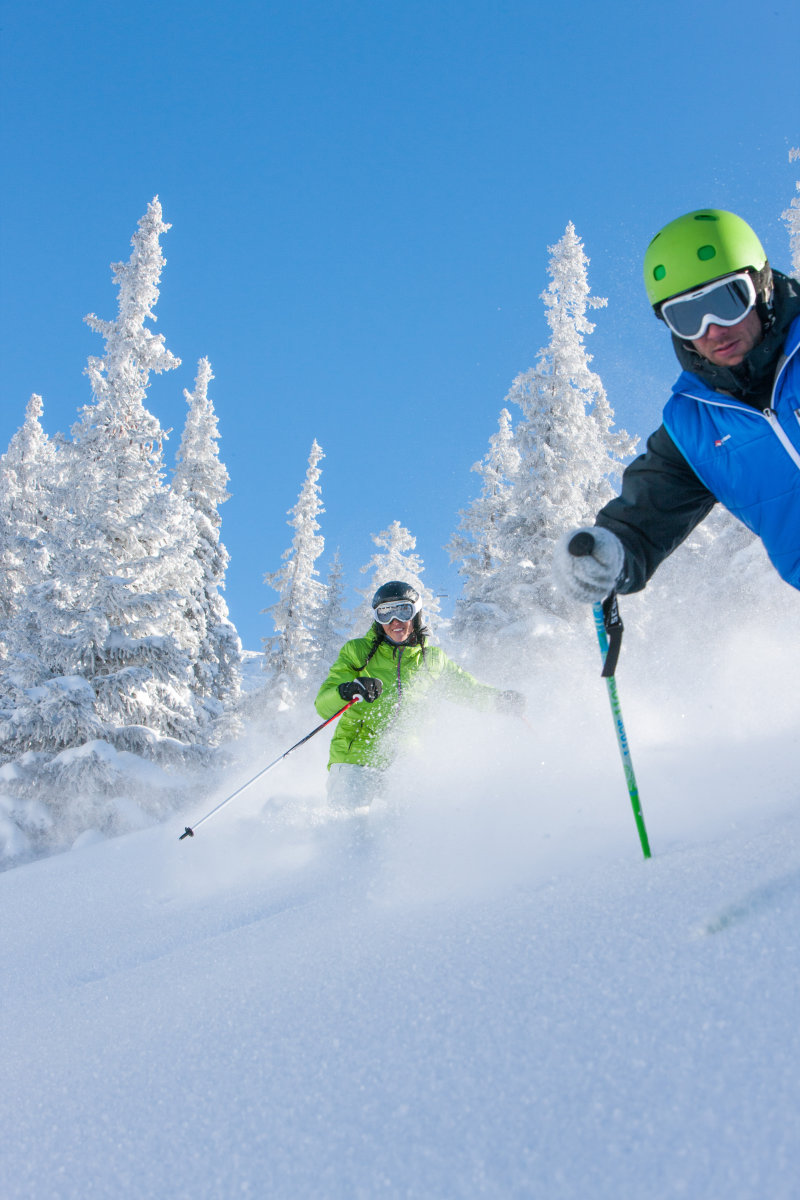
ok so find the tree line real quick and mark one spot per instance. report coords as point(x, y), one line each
point(120, 668)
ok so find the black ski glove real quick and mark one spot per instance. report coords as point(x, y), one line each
point(365, 689)
point(512, 703)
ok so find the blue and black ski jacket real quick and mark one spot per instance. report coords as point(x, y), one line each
point(740, 447)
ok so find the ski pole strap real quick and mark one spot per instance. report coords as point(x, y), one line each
point(612, 623)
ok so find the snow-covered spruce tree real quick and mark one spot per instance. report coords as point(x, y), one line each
point(292, 653)
point(201, 480)
point(136, 642)
point(479, 544)
point(791, 216)
point(335, 618)
point(116, 646)
point(28, 482)
point(37, 716)
point(45, 707)
point(395, 560)
point(33, 543)
point(569, 452)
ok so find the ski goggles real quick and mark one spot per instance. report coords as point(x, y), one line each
point(396, 610)
point(725, 302)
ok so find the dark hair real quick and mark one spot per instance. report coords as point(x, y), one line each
point(418, 637)
point(765, 291)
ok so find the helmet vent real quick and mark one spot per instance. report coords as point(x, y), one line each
point(706, 252)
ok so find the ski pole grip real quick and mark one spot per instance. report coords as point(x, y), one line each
point(581, 545)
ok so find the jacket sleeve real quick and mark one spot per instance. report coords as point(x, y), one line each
point(346, 667)
point(660, 503)
point(463, 688)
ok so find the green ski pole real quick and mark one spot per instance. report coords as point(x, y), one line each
point(619, 726)
point(609, 625)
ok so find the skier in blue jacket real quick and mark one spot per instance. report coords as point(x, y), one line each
point(731, 429)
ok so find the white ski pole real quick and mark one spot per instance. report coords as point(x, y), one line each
point(190, 829)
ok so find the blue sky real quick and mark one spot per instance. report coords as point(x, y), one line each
point(362, 195)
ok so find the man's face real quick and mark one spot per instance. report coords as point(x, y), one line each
point(728, 345)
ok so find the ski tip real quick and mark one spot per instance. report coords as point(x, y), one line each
point(186, 833)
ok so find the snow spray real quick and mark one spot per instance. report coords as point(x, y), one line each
point(190, 830)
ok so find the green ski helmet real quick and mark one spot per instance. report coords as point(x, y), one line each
point(697, 248)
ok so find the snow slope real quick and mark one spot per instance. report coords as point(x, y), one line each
point(493, 995)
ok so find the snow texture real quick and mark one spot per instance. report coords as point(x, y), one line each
point(490, 993)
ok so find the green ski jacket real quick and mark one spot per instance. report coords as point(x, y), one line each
point(367, 735)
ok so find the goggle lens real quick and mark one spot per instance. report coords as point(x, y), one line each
point(726, 302)
point(395, 610)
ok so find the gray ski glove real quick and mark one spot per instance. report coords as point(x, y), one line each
point(361, 689)
point(587, 563)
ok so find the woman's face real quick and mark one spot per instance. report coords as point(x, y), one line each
point(398, 631)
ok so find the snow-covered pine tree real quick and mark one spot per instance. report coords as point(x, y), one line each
point(568, 449)
point(28, 482)
point(396, 559)
point(201, 479)
point(791, 216)
point(42, 711)
point(292, 653)
point(36, 712)
point(113, 686)
point(335, 618)
point(479, 544)
point(133, 638)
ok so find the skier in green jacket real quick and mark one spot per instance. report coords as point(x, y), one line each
point(390, 671)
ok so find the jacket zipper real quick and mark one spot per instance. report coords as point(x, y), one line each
point(769, 414)
point(393, 715)
point(780, 433)
point(772, 416)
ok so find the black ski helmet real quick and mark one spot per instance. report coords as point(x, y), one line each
point(395, 589)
